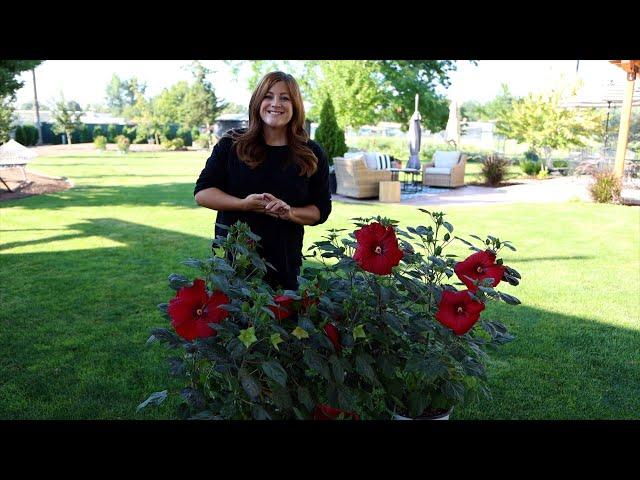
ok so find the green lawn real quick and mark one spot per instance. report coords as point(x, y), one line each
point(83, 270)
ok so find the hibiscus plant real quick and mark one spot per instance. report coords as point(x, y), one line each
point(378, 329)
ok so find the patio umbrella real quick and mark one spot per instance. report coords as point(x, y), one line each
point(452, 131)
point(414, 138)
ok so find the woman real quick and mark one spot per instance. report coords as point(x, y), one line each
point(270, 176)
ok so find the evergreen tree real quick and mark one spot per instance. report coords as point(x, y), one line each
point(329, 135)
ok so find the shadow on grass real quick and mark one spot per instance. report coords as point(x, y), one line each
point(75, 323)
point(171, 194)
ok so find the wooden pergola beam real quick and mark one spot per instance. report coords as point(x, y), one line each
point(632, 67)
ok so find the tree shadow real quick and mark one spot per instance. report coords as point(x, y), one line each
point(159, 194)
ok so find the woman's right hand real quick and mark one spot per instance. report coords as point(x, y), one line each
point(254, 202)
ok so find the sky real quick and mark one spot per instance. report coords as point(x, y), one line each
point(85, 81)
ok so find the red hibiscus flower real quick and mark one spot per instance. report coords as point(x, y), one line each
point(325, 412)
point(284, 308)
point(377, 251)
point(332, 332)
point(458, 311)
point(479, 266)
point(192, 309)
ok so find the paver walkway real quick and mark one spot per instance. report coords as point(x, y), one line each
point(557, 189)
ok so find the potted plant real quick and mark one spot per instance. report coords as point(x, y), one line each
point(376, 332)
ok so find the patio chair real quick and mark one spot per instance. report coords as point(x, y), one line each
point(356, 180)
point(445, 170)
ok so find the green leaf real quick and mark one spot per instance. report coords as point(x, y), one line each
point(305, 398)
point(249, 384)
point(248, 336)
point(280, 396)
point(448, 226)
point(299, 333)
point(346, 398)
point(176, 281)
point(313, 360)
point(269, 312)
point(364, 369)
point(156, 398)
point(358, 331)
point(275, 340)
point(259, 413)
point(417, 403)
point(337, 368)
point(511, 300)
point(193, 262)
point(274, 370)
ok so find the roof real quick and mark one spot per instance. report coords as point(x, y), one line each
point(233, 116)
point(29, 116)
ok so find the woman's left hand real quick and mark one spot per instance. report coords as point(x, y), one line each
point(276, 207)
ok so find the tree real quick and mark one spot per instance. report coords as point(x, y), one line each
point(540, 122)
point(66, 118)
point(9, 70)
point(202, 105)
point(170, 106)
point(6, 118)
point(143, 114)
point(353, 89)
point(472, 110)
point(400, 80)
point(122, 93)
point(328, 134)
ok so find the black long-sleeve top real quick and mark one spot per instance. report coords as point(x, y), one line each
point(281, 240)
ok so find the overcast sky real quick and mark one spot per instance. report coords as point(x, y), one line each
point(86, 80)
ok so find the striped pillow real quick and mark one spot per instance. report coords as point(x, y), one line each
point(384, 162)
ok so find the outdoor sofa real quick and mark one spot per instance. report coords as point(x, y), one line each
point(446, 169)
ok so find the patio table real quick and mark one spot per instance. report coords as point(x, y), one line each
point(412, 181)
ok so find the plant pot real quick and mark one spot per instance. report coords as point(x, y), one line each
point(439, 416)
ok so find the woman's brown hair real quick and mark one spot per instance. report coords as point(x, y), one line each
point(250, 145)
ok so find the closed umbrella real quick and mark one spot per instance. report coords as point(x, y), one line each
point(452, 132)
point(414, 138)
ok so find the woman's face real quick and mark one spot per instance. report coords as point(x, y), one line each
point(276, 108)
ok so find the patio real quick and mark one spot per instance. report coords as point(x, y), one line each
point(553, 190)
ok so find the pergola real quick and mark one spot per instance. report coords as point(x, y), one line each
point(632, 67)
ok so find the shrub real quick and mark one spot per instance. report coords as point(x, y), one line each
point(606, 187)
point(19, 135)
point(112, 132)
point(543, 173)
point(85, 135)
point(97, 132)
point(374, 334)
point(560, 164)
point(177, 144)
point(185, 135)
point(100, 142)
point(530, 167)
point(328, 134)
point(30, 134)
point(129, 132)
point(202, 142)
point(532, 156)
point(494, 169)
point(123, 143)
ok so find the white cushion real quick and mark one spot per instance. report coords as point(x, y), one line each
point(371, 159)
point(445, 159)
point(353, 154)
point(437, 170)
